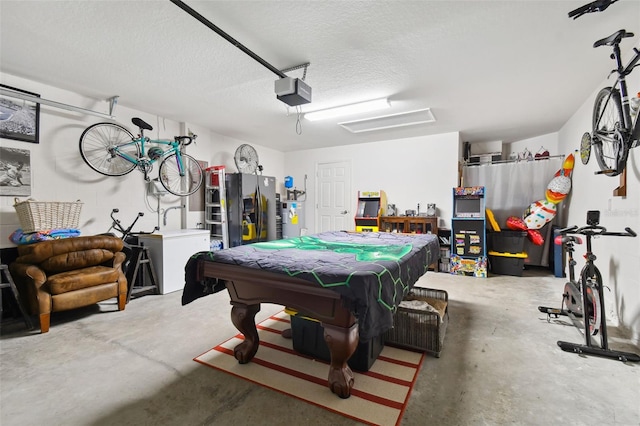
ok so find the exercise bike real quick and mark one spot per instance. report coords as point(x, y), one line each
point(583, 301)
point(137, 264)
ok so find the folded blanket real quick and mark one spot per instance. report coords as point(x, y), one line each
point(19, 237)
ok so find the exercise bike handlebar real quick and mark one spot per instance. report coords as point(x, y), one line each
point(117, 225)
point(596, 230)
point(568, 230)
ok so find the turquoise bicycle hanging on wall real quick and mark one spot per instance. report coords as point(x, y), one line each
point(111, 150)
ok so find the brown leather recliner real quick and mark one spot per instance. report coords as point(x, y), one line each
point(69, 273)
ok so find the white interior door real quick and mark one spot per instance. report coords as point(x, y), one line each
point(333, 212)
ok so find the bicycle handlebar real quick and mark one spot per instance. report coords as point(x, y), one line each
point(188, 139)
point(595, 6)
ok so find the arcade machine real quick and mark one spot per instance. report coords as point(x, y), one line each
point(371, 205)
point(468, 233)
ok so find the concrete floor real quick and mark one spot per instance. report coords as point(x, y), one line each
point(500, 365)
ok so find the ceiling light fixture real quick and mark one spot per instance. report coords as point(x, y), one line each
point(359, 107)
point(402, 119)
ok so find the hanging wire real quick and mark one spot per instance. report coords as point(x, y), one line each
point(298, 108)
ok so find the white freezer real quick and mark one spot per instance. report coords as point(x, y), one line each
point(170, 250)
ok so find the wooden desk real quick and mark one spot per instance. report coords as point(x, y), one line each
point(409, 224)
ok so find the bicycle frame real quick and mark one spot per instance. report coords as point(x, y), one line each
point(141, 141)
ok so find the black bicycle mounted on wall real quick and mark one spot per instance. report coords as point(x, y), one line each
point(614, 128)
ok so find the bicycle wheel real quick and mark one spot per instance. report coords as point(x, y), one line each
point(97, 147)
point(608, 123)
point(181, 185)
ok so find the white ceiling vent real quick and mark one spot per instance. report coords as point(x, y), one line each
point(410, 118)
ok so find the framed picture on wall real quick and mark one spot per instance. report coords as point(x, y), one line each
point(19, 119)
point(15, 172)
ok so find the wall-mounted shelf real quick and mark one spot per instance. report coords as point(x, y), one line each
point(36, 99)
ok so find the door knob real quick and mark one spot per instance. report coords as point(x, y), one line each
point(344, 212)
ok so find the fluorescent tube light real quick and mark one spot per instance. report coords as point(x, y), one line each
point(359, 107)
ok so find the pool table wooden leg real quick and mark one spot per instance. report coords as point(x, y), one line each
point(243, 317)
point(342, 343)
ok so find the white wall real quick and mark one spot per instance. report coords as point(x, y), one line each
point(58, 172)
point(410, 171)
point(416, 170)
point(618, 258)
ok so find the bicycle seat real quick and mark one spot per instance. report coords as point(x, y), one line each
point(141, 123)
point(613, 38)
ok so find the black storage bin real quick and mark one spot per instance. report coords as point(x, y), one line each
point(506, 241)
point(308, 339)
point(507, 263)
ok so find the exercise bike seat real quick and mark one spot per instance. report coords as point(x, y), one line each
point(563, 239)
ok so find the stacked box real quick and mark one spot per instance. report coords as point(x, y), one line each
point(507, 263)
point(421, 329)
point(506, 241)
point(506, 256)
point(308, 339)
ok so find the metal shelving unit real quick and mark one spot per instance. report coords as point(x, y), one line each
point(216, 206)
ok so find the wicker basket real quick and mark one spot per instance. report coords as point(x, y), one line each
point(42, 215)
point(418, 329)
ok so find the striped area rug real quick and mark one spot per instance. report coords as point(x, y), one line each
point(379, 396)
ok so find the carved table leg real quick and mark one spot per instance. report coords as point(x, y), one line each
point(342, 344)
point(243, 317)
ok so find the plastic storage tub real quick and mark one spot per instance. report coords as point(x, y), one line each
point(506, 241)
point(507, 263)
point(308, 338)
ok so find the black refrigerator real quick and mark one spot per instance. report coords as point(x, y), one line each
point(251, 208)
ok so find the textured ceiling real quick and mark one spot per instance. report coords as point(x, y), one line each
point(492, 70)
